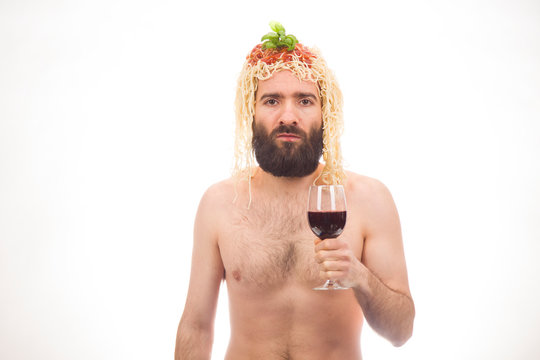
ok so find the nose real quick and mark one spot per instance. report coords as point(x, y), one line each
point(288, 115)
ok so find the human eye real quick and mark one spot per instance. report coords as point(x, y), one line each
point(306, 101)
point(270, 101)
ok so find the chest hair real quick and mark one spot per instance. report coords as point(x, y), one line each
point(272, 242)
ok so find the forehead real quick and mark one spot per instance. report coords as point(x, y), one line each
point(286, 82)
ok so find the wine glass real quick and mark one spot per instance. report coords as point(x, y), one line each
point(327, 213)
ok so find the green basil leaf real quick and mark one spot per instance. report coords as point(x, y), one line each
point(270, 36)
point(268, 45)
point(275, 26)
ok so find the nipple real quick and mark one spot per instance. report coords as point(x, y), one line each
point(236, 275)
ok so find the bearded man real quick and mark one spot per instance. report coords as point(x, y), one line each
point(252, 230)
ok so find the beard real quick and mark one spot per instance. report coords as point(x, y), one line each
point(288, 159)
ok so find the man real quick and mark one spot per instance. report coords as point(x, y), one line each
point(252, 230)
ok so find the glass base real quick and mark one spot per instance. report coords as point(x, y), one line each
point(331, 285)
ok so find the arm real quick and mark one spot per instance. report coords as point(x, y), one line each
point(379, 280)
point(195, 332)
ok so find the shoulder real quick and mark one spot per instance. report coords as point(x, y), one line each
point(225, 196)
point(213, 208)
point(364, 188)
point(218, 195)
point(373, 200)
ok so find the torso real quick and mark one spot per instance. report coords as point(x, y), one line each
point(268, 255)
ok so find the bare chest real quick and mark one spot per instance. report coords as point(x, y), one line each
point(268, 245)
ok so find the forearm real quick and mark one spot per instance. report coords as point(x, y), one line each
point(389, 312)
point(193, 343)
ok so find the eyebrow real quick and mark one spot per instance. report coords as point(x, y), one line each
point(296, 95)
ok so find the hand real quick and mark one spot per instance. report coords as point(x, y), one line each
point(337, 261)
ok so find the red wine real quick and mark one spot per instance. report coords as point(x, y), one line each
point(327, 224)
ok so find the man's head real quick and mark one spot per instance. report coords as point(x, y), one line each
point(287, 127)
point(303, 68)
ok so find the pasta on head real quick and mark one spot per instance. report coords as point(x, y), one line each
point(306, 64)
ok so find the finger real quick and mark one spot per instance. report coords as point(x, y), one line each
point(325, 275)
point(331, 275)
point(320, 256)
point(325, 245)
point(333, 265)
point(324, 255)
point(339, 243)
point(332, 244)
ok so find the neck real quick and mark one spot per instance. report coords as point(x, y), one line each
point(283, 185)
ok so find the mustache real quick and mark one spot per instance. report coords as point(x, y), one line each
point(289, 129)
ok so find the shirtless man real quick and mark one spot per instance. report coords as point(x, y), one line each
point(254, 234)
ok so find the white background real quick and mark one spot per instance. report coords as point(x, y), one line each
point(116, 115)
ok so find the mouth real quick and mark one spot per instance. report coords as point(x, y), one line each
point(288, 137)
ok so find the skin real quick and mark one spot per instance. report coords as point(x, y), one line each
point(271, 260)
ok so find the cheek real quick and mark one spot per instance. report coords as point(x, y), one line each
point(263, 116)
point(314, 112)
point(316, 118)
